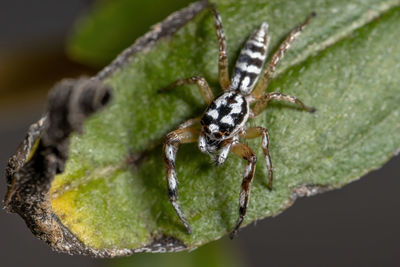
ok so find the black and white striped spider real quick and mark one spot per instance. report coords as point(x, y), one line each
point(218, 130)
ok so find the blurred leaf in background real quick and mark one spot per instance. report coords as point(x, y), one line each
point(113, 25)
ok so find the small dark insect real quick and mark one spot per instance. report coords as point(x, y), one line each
point(218, 130)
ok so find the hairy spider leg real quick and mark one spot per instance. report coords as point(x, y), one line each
point(246, 153)
point(190, 122)
point(278, 55)
point(205, 89)
point(255, 132)
point(261, 104)
point(172, 141)
point(223, 73)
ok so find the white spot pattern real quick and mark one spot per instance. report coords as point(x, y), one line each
point(253, 54)
point(213, 128)
point(235, 105)
point(172, 180)
point(257, 43)
point(228, 120)
point(245, 83)
point(170, 153)
point(202, 143)
point(213, 113)
point(244, 66)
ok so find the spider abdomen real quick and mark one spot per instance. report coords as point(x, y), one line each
point(225, 115)
point(250, 62)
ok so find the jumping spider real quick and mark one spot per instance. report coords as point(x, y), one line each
point(217, 131)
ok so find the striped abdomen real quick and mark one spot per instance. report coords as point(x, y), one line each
point(251, 60)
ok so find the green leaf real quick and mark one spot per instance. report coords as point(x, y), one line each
point(346, 64)
point(113, 25)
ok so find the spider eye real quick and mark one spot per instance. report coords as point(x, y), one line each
point(206, 129)
point(217, 135)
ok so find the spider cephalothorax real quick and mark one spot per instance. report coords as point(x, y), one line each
point(223, 119)
point(218, 130)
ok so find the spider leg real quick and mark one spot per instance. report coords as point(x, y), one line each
point(246, 153)
point(255, 132)
point(223, 73)
point(190, 122)
point(261, 104)
point(223, 153)
point(278, 55)
point(172, 141)
point(201, 82)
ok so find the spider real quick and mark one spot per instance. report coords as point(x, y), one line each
point(218, 130)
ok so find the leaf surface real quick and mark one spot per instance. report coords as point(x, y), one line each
point(346, 64)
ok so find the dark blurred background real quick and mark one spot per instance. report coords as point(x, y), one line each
point(358, 225)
